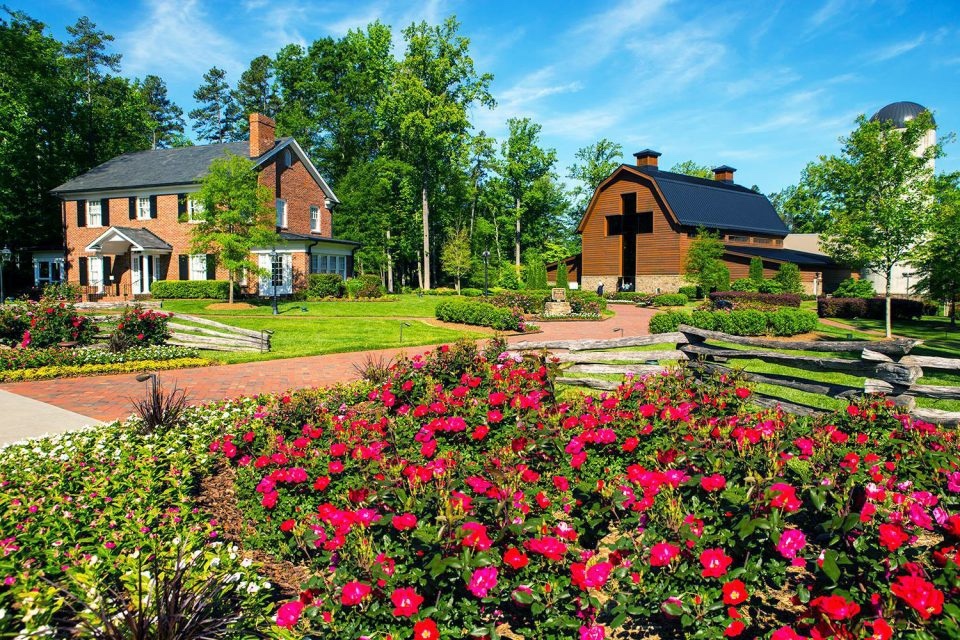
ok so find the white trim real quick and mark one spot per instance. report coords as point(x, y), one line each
point(195, 260)
point(316, 208)
point(126, 192)
point(139, 208)
point(312, 170)
point(282, 220)
point(92, 247)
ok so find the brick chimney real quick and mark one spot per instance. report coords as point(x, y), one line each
point(262, 134)
point(647, 158)
point(723, 173)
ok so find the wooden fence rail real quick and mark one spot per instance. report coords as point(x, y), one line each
point(216, 336)
point(886, 366)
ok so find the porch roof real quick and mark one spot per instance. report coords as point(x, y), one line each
point(119, 240)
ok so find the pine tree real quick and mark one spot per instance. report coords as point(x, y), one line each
point(167, 117)
point(88, 48)
point(255, 92)
point(216, 118)
point(756, 269)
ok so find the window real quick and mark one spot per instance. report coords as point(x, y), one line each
point(143, 208)
point(46, 270)
point(281, 213)
point(194, 210)
point(614, 225)
point(628, 203)
point(94, 213)
point(95, 272)
point(762, 241)
point(329, 264)
point(738, 238)
point(276, 270)
point(198, 267)
point(315, 219)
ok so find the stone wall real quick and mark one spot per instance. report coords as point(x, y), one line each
point(645, 284)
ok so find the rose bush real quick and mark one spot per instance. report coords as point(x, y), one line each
point(42, 324)
point(461, 496)
point(141, 327)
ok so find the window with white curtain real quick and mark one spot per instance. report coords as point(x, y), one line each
point(281, 213)
point(94, 213)
point(198, 267)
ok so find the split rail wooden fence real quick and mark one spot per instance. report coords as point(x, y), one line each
point(887, 367)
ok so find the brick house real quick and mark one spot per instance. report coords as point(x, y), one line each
point(640, 222)
point(129, 221)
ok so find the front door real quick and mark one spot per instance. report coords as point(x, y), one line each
point(143, 271)
point(279, 277)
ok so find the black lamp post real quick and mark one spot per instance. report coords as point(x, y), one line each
point(273, 278)
point(486, 261)
point(5, 254)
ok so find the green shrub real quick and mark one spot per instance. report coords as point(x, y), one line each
point(745, 322)
point(191, 289)
point(631, 296)
point(14, 321)
point(704, 320)
point(770, 286)
point(325, 285)
point(50, 322)
point(756, 271)
point(586, 303)
point(535, 274)
point(668, 321)
point(670, 300)
point(62, 291)
point(851, 288)
point(527, 301)
point(745, 284)
point(790, 322)
point(353, 286)
point(471, 292)
point(562, 277)
point(509, 277)
point(788, 276)
point(371, 286)
point(480, 314)
point(692, 292)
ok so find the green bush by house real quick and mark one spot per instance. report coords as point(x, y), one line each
point(479, 313)
point(191, 289)
point(671, 300)
point(325, 285)
point(746, 322)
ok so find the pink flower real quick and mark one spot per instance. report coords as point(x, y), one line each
point(476, 536)
point(289, 613)
point(404, 522)
point(716, 482)
point(662, 553)
point(353, 593)
point(593, 578)
point(549, 547)
point(790, 543)
point(715, 563)
point(597, 632)
point(482, 581)
point(406, 602)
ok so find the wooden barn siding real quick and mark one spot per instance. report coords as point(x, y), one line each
point(657, 253)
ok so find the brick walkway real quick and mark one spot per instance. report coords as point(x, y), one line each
point(108, 397)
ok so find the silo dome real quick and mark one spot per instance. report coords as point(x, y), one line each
point(900, 113)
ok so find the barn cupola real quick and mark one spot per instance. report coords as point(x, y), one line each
point(647, 158)
point(723, 173)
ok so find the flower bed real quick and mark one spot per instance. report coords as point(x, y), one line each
point(43, 324)
point(83, 513)
point(33, 358)
point(457, 497)
point(67, 371)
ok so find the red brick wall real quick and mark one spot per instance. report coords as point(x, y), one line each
point(296, 186)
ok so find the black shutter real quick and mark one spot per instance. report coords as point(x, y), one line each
point(182, 207)
point(211, 267)
point(153, 207)
point(184, 263)
point(107, 271)
point(350, 266)
point(133, 207)
point(81, 213)
point(82, 267)
point(105, 212)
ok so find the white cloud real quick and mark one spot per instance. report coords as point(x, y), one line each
point(600, 35)
point(826, 13)
point(178, 42)
point(896, 49)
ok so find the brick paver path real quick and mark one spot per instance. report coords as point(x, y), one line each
point(108, 397)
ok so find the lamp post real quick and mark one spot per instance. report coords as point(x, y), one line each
point(152, 377)
point(273, 278)
point(486, 261)
point(5, 254)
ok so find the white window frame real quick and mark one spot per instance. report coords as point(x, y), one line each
point(95, 272)
point(198, 266)
point(143, 213)
point(329, 263)
point(94, 213)
point(194, 211)
point(281, 213)
point(315, 223)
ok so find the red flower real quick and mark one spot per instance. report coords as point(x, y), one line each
point(716, 482)
point(734, 592)
point(287, 525)
point(734, 629)
point(426, 630)
point(406, 602)
point(784, 496)
point(836, 607)
point(353, 593)
point(476, 536)
point(515, 559)
point(919, 594)
point(662, 553)
point(549, 547)
point(480, 432)
point(715, 563)
point(289, 613)
point(404, 522)
point(742, 393)
point(881, 630)
point(892, 536)
point(786, 633)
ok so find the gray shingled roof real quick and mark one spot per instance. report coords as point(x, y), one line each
point(146, 239)
point(156, 167)
point(799, 258)
point(716, 205)
point(288, 235)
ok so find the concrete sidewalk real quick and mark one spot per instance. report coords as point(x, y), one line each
point(22, 417)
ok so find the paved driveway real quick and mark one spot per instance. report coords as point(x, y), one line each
point(103, 398)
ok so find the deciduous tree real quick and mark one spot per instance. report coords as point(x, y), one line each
point(691, 168)
point(237, 216)
point(703, 264)
point(937, 258)
point(523, 163)
point(455, 256)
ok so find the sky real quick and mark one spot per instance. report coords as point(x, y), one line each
point(765, 86)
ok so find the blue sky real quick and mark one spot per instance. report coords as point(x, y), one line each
point(765, 86)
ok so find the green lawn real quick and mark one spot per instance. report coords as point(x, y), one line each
point(329, 327)
point(940, 339)
point(399, 306)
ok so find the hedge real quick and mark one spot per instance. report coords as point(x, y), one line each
point(874, 308)
point(746, 322)
point(45, 373)
point(772, 299)
point(586, 302)
point(191, 289)
point(478, 313)
point(630, 296)
point(528, 301)
point(671, 300)
point(692, 292)
point(325, 285)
